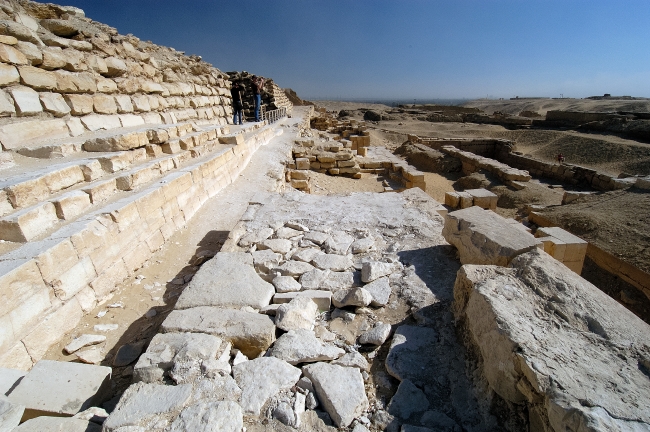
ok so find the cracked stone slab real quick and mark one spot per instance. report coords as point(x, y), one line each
point(302, 346)
point(340, 389)
point(227, 280)
point(261, 378)
point(251, 333)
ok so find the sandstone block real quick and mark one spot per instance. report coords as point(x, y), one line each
point(227, 280)
point(119, 142)
point(251, 333)
point(61, 388)
point(483, 237)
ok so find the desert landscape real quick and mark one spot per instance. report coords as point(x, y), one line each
point(334, 266)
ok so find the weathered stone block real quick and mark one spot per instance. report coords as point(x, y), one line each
point(79, 104)
point(37, 78)
point(9, 54)
point(26, 100)
point(72, 204)
point(55, 104)
point(251, 333)
point(8, 75)
point(24, 225)
point(483, 198)
point(61, 388)
point(104, 104)
point(17, 135)
point(483, 237)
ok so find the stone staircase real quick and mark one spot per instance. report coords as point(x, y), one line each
point(75, 229)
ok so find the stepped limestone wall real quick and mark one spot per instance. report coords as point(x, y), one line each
point(109, 145)
point(63, 75)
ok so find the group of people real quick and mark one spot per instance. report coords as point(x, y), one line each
point(237, 92)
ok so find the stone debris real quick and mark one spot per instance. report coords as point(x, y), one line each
point(83, 341)
point(10, 413)
point(299, 313)
point(93, 414)
point(351, 297)
point(380, 291)
point(302, 346)
point(353, 359)
point(91, 356)
point(285, 284)
point(373, 270)
point(408, 400)
point(58, 424)
point(332, 262)
point(340, 390)
point(261, 378)
point(377, 335)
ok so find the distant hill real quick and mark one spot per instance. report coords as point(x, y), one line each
point(541, 106)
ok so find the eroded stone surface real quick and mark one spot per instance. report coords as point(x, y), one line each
point(302, 346)
point(227, 280)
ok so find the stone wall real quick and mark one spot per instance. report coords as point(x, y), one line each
point(504, 151)
point(273, 96)
point(63, 75)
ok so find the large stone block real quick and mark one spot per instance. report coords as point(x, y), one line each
point(8, 75)
point(17, 135)
point(563, 246)
point(9, 54)
point(7, 107)
point(26, 224)
point(227, 280)
point(550, 340)
point(484, 237)
point(54, 104)
point(20, 280)
point(26, 100)
point(79, 104)
point(94, 122)
point(118, 142)
point(104, 104)
point(483, 198)
point(37, 78)
point(63, 178)
point(251, 333)
point(61, 388)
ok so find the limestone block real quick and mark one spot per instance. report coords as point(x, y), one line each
point(262, 378)
point(152, 118)
point(9, 54)
point(71, 204)
point(53, 58)
point(26, 100)
point(37, 78)
point(302, 346)
point(115, 67)
point(509, 308)
point(97, 64)
point(153, 102)
point(299, 313)
point(104, 104)
point(141, 103)
point(16, 135)
point(24, 225)
point(31, 52)
point(237, 139)
point(56, 259)
point(79, 104)
point(7, 107)
point(452, 199)
point(171, 147)
point(119, 142)
point(323, 299)
point(483, 198)
point(152, 87)
point(340, 389)
point(124, 104)
point(227, 280)
point(54, 104)
point(62, 178)
point(483, 237)
point(251, 333)
point(466, 200)
point(94, 122)
point(8, 75)
point(142, 402)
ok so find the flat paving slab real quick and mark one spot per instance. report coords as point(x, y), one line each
point(61, 388)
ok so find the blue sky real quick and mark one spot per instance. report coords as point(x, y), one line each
point(407, 49)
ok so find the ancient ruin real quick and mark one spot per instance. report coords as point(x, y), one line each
point(162, 269)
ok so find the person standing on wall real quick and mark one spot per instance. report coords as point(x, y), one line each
point(257, 85)
point(237, 103)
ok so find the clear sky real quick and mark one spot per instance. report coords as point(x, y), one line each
point(407, 49)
